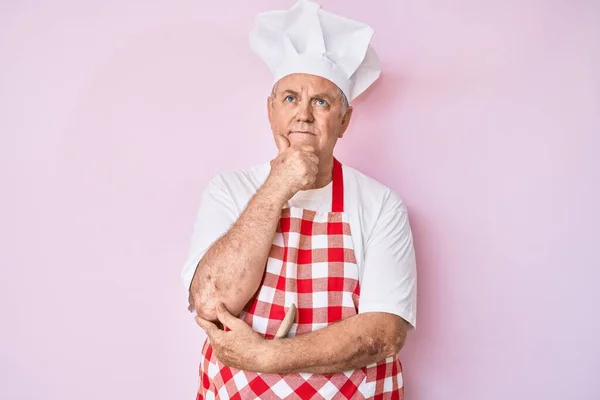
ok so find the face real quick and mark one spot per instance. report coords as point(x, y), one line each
point(308, 110)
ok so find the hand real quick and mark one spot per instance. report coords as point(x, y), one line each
point(241, 347)
point(294, 168)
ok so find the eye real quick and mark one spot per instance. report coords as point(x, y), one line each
point(321, 102)
point(290, 99)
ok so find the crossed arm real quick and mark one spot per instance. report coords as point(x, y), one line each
point(348, 344)
point(228, 276)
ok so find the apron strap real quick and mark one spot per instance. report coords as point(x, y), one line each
point(337, 195)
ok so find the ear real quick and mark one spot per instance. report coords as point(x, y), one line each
point(269, 106)
point(270, 110)
point(346, 121)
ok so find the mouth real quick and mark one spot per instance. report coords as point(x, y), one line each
point(302, 132)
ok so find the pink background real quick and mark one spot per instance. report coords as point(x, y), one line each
point(114, 114)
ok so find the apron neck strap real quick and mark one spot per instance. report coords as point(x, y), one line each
point(337, 195)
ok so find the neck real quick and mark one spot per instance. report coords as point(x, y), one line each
point(325, 174)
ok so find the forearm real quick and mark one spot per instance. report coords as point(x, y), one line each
point(349, 344)
point(231, 270)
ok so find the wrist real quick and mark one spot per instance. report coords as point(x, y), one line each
point(267, 358)
point(275, 192)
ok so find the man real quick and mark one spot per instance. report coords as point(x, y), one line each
point(302, 270)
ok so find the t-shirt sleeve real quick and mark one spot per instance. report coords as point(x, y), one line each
point(215, 215)
point(389, 282)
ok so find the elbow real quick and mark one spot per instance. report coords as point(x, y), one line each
point(382, 349)
point(203, 303)
point(394, 340)
point(397, 339)
point(395, 347)
point(385, 338)
point(204, 310)
point(385, 349)
point(205, 297)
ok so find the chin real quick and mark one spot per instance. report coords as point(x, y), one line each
point(302, 138)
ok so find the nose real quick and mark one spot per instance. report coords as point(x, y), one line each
point(305, 112)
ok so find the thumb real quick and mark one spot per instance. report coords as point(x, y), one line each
point(282, 143)
point(208, 326)
point(225, 317)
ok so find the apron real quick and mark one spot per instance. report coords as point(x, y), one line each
point(311, 264)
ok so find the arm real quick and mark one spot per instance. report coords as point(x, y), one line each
point(232, 268)
point(386, 311)
point(386, 308)
point(389, 281)
point(349, 344)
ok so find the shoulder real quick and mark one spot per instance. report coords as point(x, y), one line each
point(371, 195)
point(254, 175)
point(240, 183)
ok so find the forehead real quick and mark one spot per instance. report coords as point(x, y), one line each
point(306, 82)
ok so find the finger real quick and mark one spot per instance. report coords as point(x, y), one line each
point(315, 170)
point(309, 149)
point(282, 143)
point(314, 167)
point(208, 326)
point(226, 318)
point(313, 157)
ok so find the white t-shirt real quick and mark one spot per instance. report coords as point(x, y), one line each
point(383, 242)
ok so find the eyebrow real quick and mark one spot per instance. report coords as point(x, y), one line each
point(290, 92)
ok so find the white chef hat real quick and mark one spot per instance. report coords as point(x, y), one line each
point(306, 39)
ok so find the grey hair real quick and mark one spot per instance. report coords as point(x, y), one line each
point(345, 103)
point(341, 94)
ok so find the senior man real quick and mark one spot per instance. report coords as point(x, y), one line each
point(302, 270)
